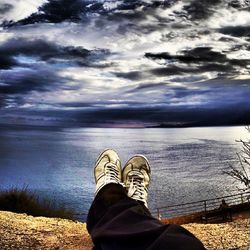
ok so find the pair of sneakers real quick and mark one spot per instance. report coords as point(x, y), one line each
point(135, 176)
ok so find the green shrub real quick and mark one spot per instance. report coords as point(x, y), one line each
point(24, 201)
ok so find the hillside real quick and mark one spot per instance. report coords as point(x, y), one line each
point(20, 231)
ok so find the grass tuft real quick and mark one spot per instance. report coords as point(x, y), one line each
point(24, 201)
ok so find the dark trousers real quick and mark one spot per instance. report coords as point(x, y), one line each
point(116, 221)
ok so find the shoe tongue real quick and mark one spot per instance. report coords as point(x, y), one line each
point(131, 191)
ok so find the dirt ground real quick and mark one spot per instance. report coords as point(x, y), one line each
point(20, 231)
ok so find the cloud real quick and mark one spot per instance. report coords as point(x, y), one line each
point(22, 81)
point(7, 62)
point(147, 86)
point(196, 116)
point(239, 4)
point(201, 9)
point(124, 61)
point(206, 103)
point(132, 75)
point(29, 65)
point(172, 70)
point(198, 54)
point(57, 11)
point(197, 60)
point(5, 7)
point(49, 52)
point(237, 31)
point(14, 10)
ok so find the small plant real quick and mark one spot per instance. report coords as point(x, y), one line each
point(24, 201)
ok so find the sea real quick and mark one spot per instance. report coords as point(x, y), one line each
point(187, 164)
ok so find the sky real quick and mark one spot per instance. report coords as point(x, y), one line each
point(126, 63)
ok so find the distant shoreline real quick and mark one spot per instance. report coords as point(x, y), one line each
point(59, 128)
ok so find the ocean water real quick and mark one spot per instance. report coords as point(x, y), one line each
point(186, 163)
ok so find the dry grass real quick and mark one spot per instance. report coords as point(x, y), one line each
point(24, 201)
point(189, 218)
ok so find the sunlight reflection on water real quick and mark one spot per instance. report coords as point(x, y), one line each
point(186, 163)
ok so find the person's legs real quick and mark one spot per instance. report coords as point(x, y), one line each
point(112, 200)
point(119, 222)
point(109, 196)
point(116, 221)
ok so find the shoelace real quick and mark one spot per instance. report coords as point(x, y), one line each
point(136, 186)
point(111, 172)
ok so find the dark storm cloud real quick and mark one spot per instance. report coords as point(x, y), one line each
point(237, 31)
point(7, 62)
point(133, 75)
point(240, 4)
point(27, 80)
point(180, 92)
point(2, 101)
point(57, 11)
point(6, 7)
point(171, 70)
point(47, 51)
point(219, 110)
point(76, 105)
point(197, 60)
point(29, 65)
point(199, 54)
point(175, 70)
point(167, 116)
point(109, 115)
point(200, 59)
point(174, 89)
point(101, 114)
point(201, 9)
point(44, 49)
point(94, 105)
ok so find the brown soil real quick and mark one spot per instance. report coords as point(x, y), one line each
point(20, 231)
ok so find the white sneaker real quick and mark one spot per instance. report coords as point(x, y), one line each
point(136, 178)
point(107, 169)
